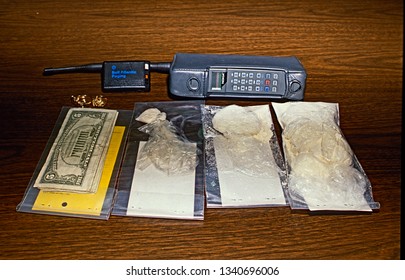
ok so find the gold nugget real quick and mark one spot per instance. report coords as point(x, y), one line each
point(99, 101)
point(81, 100)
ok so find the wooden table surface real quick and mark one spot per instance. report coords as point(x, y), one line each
point(352, 51)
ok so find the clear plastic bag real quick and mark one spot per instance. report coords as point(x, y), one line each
point(96, 205)
point(166, 150)
point(323, 172)
point(244, 166)
point(162, 171)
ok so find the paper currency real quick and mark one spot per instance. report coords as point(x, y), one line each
point(76, 159)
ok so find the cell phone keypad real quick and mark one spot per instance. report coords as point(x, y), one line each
point(256, 81)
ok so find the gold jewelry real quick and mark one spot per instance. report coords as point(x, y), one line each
point(99, 101)
point(82, 100)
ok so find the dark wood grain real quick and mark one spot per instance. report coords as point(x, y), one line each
point(352, 51)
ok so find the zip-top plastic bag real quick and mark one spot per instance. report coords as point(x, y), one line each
point(243, 162)
point(323, 171)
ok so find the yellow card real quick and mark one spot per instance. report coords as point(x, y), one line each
point(78, 203)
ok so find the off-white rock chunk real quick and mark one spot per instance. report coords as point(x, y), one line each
point(151, 115)
point(235, 119)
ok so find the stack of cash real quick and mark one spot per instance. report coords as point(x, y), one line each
point(76, 160)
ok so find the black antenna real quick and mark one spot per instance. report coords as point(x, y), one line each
point(87, 68)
